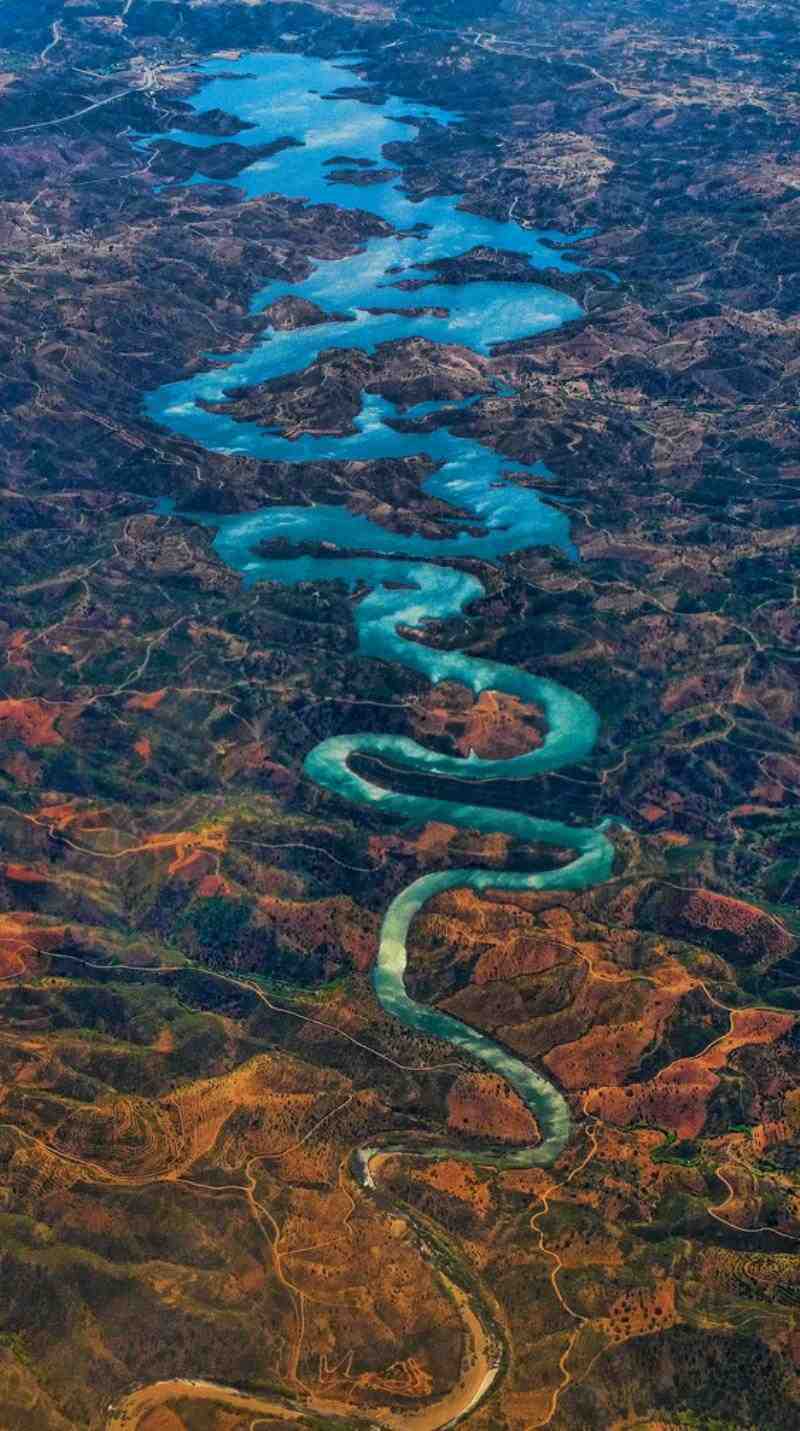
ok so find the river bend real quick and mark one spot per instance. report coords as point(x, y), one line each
point(289, 95)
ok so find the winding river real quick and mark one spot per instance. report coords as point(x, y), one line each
point(283, 95)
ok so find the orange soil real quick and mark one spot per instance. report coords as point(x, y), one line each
point(458, 1180)
point(147, 702)
point(436, 838)
point(60, 816)
point(22, 935)
point(337, 924)
point(15, 649)
point(677, 1098)
point(676, 1102)
point(758, 933)
point(519, 956)
point(402, 1378)
point(484, 1105)
point(254, 756)
point(214, 884)
point(186, 842)
point(194, 866)
point(162, 1419)
point(22, 874)
point(640, 1310)
point(609, 1053)
point(652, 813)
point(30, 721)
point(495, 726)
point(704, 916)
point(531, 1182)
point(748, 1026)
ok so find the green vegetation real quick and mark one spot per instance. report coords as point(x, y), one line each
point(673, 1151)
point(15, 1342)
point(699, 1422)
point(213, 927)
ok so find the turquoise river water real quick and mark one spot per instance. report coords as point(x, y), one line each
point(284, 95)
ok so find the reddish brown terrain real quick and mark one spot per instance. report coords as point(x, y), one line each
point(191, 1047)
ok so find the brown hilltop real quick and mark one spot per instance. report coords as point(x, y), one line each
point(731, 926)
point(162, 1419)
point(337, 931)
point(31, 721)
point(626, 1285)
point(484, 1106)
point(677, 1098)
point(494, 725)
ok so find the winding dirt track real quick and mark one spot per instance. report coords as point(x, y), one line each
point(479, 1368)
point(480, 1361)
